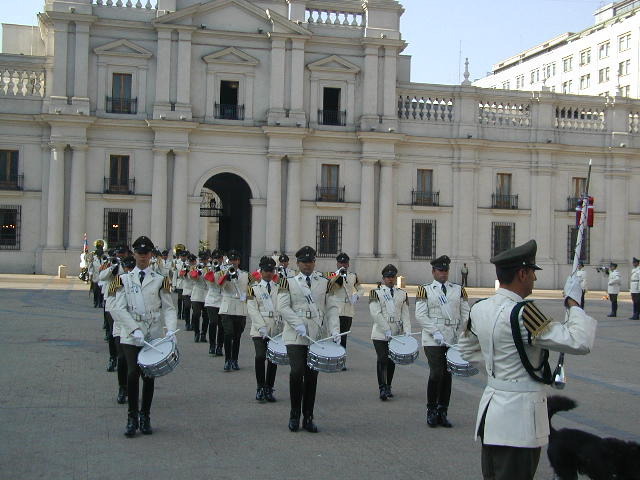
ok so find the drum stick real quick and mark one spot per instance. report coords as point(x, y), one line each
point(151, 346)
point(331, 337)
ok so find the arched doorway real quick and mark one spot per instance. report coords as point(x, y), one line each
point(232, 208)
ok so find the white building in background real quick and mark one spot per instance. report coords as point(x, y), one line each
point(266, 125)
point(602, 59)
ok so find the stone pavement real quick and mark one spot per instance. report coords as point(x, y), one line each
point(59, 418)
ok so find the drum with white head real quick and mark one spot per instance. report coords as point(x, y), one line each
point(326, 356)
point(277, 351)
point(403, 350)
point(457, 365)
point(163, 358)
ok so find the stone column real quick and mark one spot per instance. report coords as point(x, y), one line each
point(179, 204)
point(55, 201)
point(159, 210)
point(163, 61)
point(367, 210)
point(82, 60)
point(59, 55)
point(386, 210)
point(389, 98)
point(276, 99)
point(77, 198)
point(184, 67)
point(292, 239)
point(274, 204)
point(464, 210)
point(370, 81)
point(297, 75)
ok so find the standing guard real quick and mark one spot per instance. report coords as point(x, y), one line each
point(634, 288)
point(613, 287)
point(283, 268)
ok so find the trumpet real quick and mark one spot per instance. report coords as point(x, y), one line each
point(233, 273)
point(343, 272)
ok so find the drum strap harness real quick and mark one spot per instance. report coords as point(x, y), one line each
point(545, 377)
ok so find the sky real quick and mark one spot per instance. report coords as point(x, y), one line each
point(486, 31)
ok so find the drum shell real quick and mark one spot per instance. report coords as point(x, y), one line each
point(162, 367)
point(277, 357)
point(457, 366)
point(323, 361)
point(404, 358)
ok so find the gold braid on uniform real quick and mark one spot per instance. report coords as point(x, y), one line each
point(250, 293)
point(283, 284)
point(115, 284)
point(421, 294)
point(534, 320)
point(373, 296)
point(166, 284)
point(464, 294)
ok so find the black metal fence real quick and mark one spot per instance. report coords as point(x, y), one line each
point(122, 105)
point(119, 186)
point(425, 198)
point(10, 222)
point(11, 182)
point(328, 236)
point(332, 117)
point(229, 112)
point(504, 201)
point(329, 194)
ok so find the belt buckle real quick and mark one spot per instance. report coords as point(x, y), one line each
point(270, 314)
point(308, 314)
point(392, 319)
point(346, 300)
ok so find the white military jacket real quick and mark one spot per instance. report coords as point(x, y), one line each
point(437, 312)
point(347, 294)
point(234, 293)
point(147, 306)
point(106, 277)
point(177, 280)
point(199, 288)
point(213, 298)
point(262, 308)
point(634, 284)
point(389, 312)
point(515, 404)
point(312, 307)
point(613, 285)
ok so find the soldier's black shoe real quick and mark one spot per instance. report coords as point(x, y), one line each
point(611, 315)
point(112, 365)
point(132, 424)
point(389, 392)
point(219, 351)
point(432, 417)
point(234, 365)
point(442, 417)
point(308, 425)
point(260, 395)
point(212, 349)
point(383, 393)
point(634, 318)
point(188, 327)
point(196, 337)
point(145, 424)
point(294, 421)
point(268, 394)
point(203, 338)
point(122, 395)
point(227, 365)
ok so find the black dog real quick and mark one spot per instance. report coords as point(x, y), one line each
point(572, 452)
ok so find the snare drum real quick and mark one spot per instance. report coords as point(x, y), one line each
point(154, 363)
point(277, 352)
point(403, 350)
point(457, 365)
point(326, 357)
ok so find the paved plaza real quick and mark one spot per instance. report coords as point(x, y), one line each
point(59, 418)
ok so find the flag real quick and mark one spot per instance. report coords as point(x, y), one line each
point(85, 244)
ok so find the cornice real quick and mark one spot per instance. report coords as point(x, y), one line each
point(171, 125)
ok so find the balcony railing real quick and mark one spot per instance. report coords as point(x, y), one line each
point(504, 201)
point(572, 203)
point(229, 112)
point(425, 199)
point(122, 105)
point(11, 182)
point(329, 194)
point(332, 117)
point(119, 187)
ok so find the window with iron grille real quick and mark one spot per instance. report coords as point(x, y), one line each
point(571, 245)
point(10, 219)
point(328, 236)
point(424, 240)
point(503, 237)
point(117, 226)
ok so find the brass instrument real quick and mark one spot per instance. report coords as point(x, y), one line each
point(178, 247)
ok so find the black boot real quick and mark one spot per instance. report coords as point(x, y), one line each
point(268, 394)
point(389, 392)
point(308, 425)
point(294, 420)
point(219, 351)
point(432, 416)
point(260, 395)
point(145, 423)
point(227, 365)
point(203, 338)
point(442, 417)
point(122, 395)
point(132, 424)
point(112, 365)
point(611, 315)
point(196, 337)
point(212, 349)
point(234, 365)
point(188, 327)
point(383, 393)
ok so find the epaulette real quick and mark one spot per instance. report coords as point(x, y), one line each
point(115, 284)
point(283, 284)
point(421, 294)
point(534, 320)
point(373, 296)
point(464, 294)
point(166, 284)
point(250, 292)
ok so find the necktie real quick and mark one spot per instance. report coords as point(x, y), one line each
point(391, 290)
point(444, 289)
point(308, 282)
point(141, 276)
point(269, 288)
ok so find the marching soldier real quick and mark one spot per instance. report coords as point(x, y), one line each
point(212, 303)
point(613, 288)
point(308, 314)
point(198, 294)
point(283, 267)
point(177, 279)
point(233, 309)
point(187, 286)
point(143, 308)
point(262, 306)
point(514, 337)
point(634, 288)
point(389, 308)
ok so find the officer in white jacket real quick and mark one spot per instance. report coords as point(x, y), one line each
point(441, 309)
point(634, 288)
point(613, 288)
point(142, 310)
point(513, 338)
point(389, 309)
point(212, 302)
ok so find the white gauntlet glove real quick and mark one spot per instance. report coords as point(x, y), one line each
point(336, 338)
point(171, 335)
point(439, 338)
point(572, 289)
point(138, 337)
point(387, 334)
point(263, 332)
point(301, 330)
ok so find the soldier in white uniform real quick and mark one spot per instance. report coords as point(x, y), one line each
point(212, 302)
point(283, 267)
point(389, 309)
point(513, 338)
point(233, 309)
point(613, 287)
point(634, 288)
point(143, 309)
point(108, 272)
point(262, 306)
point(581, 276)
point(178, 280)
point(187, 286)
point(441, 309)
point(346, 289)
point(308, 312)
point(198, 294)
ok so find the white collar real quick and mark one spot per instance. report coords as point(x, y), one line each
point(509, 294)
point(146, 271)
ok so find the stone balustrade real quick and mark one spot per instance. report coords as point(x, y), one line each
point(576, 117)
point(634, 122)
point(148, 4)
point(427, 108)
point(497, 113)
point(17, 81)
point(325, 16)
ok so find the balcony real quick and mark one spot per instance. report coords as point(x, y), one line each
point(329, 194)
point(508, 202)
point(229, 112)
point(119, 187)
point(122, 105)
point(572, 203)
point(11, 182)
point(425, 199)
point(332, 117)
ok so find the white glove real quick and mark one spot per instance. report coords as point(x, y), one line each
point(171, 335)
point(439, 338)
point(263, 332)
point(336, 338)
point(138, 337)
point(572, 289)
point(407, 334)
point(301, 330)
point(354, 298)
point(387, 334)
